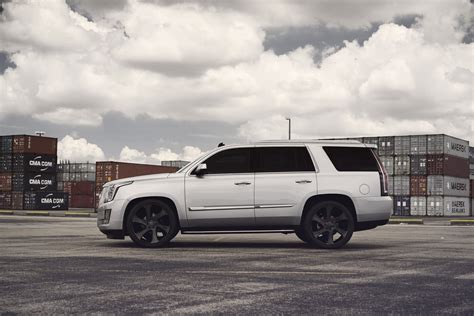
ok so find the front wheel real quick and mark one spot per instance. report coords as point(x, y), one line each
point(152, 223)
point(328, 225)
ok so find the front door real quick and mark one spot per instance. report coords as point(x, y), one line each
point(224, 196)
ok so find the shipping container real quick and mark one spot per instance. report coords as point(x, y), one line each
point(88, 176)
point(387, 162)
point(6, 162)
point(390, 185)
point(5, 181)
point(471, 155)
point(447, 165)
point(46, 201)
point(81, 201)
point(418, 144)
point(181, 163)
point(35, 144)
point(471, 188)
point(83, 188)
point(34, 163)
point(472, 207)
point(60, 186)
point(402, 165)
point(6, 144)
point(5, 200)
point(418, 206)
point(386, 145)
point(402, 145)
point(401, 205)
point(401, 185)
point(110, 170)
point(418, 165)
point(34, 182)
point(444, 144)
point(418, 185)
point(451, 186)
point(456, 206)
point(434, 206)
point(17, 200)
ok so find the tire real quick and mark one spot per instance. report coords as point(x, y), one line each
point(328, 225)
point(300, 234)
point(152, 223)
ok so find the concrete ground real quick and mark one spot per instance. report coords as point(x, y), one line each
point(65, 265)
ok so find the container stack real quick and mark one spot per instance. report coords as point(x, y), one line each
point(77, 179)
point(28, 178)
point(113, 170)
point(428, 175)
point(175, 163)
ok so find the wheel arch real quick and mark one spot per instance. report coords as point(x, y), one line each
point(137, 200)
point(341, 198)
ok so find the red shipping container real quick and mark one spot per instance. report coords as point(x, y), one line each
point(471, 188)
point(418, 185)
point(67, 187)
point(83, 188)
point(81, 201)
point(35, 144)
point(447, 165)
point(5, 181)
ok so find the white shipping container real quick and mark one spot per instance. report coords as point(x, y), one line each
point(402, 165)
point(418, 206)
point(401, 185)
point(444, 144)
point(456, 206)
point(418, 144)
point(387, 162)
point(448, 186)
point(390, 185)
point(402, 145)
point(434, 206)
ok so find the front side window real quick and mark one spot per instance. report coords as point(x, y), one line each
point(235, 160)
point(283, 159)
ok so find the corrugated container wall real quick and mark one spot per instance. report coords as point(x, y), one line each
point(35, 144)
point(387, 162)
point(418, 144)
point(440, 185)
point(402, 145)
point(447, 165)
point(444, 144)
point(402, 165)
point(401, 185)
point(418, 185)
point(401, 205)
point(418, 165)
point(386, 145)
point(418, 206)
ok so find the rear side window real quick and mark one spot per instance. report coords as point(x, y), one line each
point(283, 159)
point(352, 158)
point(229, 161)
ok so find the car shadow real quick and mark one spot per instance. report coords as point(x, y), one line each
point(186, 244)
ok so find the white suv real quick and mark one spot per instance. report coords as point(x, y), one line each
point(322, 191)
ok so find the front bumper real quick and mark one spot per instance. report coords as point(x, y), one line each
point(110, 216)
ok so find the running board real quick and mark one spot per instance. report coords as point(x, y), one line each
point(210, 232)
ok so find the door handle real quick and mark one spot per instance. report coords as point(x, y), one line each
point(303, 181)
point(242, 183)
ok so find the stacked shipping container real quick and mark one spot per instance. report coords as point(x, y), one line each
point(78, 179)
point(28, 173)
point(428, 174)
point(112, 170)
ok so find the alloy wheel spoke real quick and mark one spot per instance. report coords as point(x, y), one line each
point(329, 211)
point(341, 217)
point(340, 231)
point(148, 212)
point(154, 238)
point(318, 232)
point(318, 220)
point(163, 227)
point(138, 220)
point(160, 214)
point(330, 236)
point(143, 232)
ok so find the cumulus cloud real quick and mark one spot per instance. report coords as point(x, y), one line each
point(188, 153)
point(79, 150)
point(206, 62)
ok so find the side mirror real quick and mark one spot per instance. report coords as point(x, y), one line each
point(201, 170)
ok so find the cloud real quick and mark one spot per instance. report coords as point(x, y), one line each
point(206, 62)
point(188, 153)
point(79, 150)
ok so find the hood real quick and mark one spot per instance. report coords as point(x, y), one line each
point(141, 178)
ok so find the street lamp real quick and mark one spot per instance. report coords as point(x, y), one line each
point(289, 127)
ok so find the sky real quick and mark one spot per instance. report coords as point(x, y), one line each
point(146, 81)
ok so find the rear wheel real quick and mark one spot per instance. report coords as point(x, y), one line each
point(152, 223)
point(328, 225)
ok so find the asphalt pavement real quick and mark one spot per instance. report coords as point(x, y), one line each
point(65, 265)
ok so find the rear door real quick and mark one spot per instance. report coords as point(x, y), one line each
point(285, 176)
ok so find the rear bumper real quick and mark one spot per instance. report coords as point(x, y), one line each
point(373, 209)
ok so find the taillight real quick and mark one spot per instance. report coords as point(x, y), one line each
point(383, 176)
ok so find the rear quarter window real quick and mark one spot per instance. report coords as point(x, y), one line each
point(352, 158)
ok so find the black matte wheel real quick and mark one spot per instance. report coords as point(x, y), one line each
point(152, 223)
point(328, 225)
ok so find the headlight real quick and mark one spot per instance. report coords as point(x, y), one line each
point(110, 191)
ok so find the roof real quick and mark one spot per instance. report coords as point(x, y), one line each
point(313, 141)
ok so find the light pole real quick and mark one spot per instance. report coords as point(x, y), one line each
point(289, 127)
